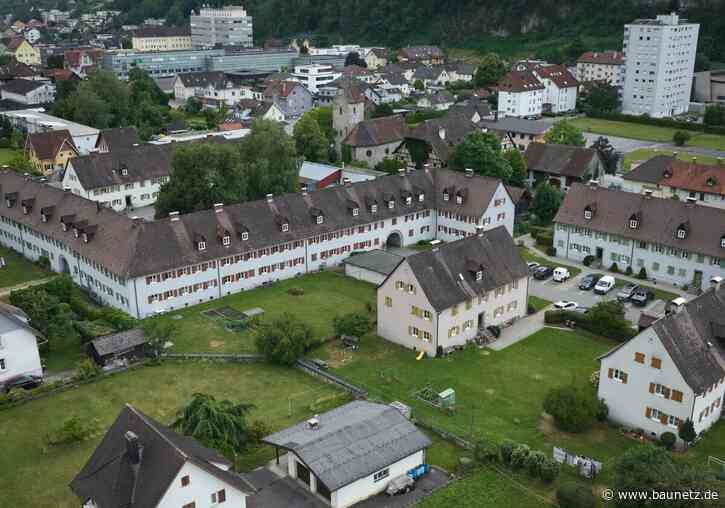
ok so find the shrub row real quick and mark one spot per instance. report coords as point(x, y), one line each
point(658, 122)
point(18, 394)
point(518, 456)
point(584, 321)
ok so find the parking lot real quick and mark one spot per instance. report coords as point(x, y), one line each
point(569, 290)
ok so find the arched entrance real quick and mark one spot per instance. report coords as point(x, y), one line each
point(395, 239)
point(64, 266)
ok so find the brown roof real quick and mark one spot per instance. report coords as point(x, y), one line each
point(23, 86)
point(520, 81)
point(355, 70)
point(658, 219)
point(377, 131)
point(559, 74)
point(119, 138)
point(15, 69)
point(421, 52)
point(123, 165)
point(669, 171)
point(443, 134)
point(352, 89)
point(281, 88)
point(47, 144)
point(603, 58)
point(564, 160)
point(129, 248)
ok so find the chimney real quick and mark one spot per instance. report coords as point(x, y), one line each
point(313, 423)
point(218, 207)
point(174, 216)
point(347, 182)
point(132, 448)
point(270, 198)
point(469, 173)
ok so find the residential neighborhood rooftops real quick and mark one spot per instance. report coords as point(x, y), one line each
point(448, 273)
point(675, 224)
point(672, 172)
point(120, 138)
point(602, 57)
point(564, 160)
point(351, 442)
point(116, 475)
point(421, 52)
point(379, 261)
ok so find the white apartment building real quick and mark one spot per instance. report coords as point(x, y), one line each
point(215, 85)
point(443, 298)
point(521, 94)
point(18, 344)
point(603, 66)
point(670, 372)
point(659, 64)
point(560, 88)
point(227, 26)
point(314, 76)
point(146, 268)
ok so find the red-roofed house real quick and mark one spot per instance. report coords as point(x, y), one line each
point(521, 94)
point(82, 60)
point(561, 88)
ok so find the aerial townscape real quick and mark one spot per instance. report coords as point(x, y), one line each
point(380, 254)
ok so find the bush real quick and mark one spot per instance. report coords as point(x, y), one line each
point(549, 470)
point(74, 430)
point(605, 318)
point(551, 251)
point(86, 369)
point(89, 330)
point(284, 340)
point(668, 440)
point(614, 268)
point(519, 455)
point(44, 262)
point(296, 291)
point(680, 138)
point(575, 495)
point(534, 461)
point(545, 239)
point(602, 411)
point(588, 260)
point(530, 309)
point(628, 270)
point(354, 323)
point(687, 431)
point(485, 450)
point(507, 448)
point(574, 408)
point(642, 273)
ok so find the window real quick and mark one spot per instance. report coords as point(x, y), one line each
point(411, 289)
point(373, 208)
point(285, 227)
point(355, 212)
point(219, 497)
point(320, 219)
point(479, 275)
point(656, 363)
point(381, 475)
point(459, 199)
point(428, 315)
point(421, 197)
point(409, 200)
point(201, 245)
point(619, 375)
point(633, 223)
point(2, 364)
point(681, 233)
point(445, 196)
point(391, 204)
point(226, 241)
point(454, 310)
point(639, 357)
point(388, 301)
point(185, 481)
point(245, 236)
point(400, 285)
point(588, 214)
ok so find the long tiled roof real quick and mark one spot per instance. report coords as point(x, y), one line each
point(352, 441)
point(447, 274)
point(562, 160)
point(602, 58)
point(135, 248)
point(377, 131)
point(669, 171)
point(658, 219)
point(204, 79)
point(112, 480)
point(123, 165)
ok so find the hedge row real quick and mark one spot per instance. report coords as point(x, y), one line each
point(585, 321)
point(658, 122)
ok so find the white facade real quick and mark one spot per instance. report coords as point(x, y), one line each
point(660, 190)
point(230, 93)
point(363, 488)
point(43, 94)
point(314, 76)
point(18, 350)
point(228, 26)
point(528, 103)
point(36, 120)
point(562, 99)
point(653, 395)
point(659, 64)
point(609, 73)
point(203, 490)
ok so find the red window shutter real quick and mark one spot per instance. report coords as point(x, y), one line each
point(648, 412)
point(611, 373)
point(651, 387)
point(222, 495)
point(663, 419)
point(623, 377)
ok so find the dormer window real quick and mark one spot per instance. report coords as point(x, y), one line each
point(43, 217)
point(722, 242)
point(26, 210)
point(633, 223)
point(712, 181)
point(681, 233)
point(459, 199)
point(479, 275)
point(391, 204)
point(64, 226)
point(320, 219)
point(373, 208)
point(75, 232)
point(124, 171)
point(355, 212)
point(285, 227)
point(409, 200)
point(446, 196)
point(85, 237)
point(588, 214)
point(201, 245)
point(226, 240)
point(245, 236)
point(421, 198)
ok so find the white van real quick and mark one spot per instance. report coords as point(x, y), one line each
point(561, 274)
point(605, 285)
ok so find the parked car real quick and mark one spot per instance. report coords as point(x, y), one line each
point(561, 274)
point(565, 305)
point(320, 364)
point(532, 265)
point(589, 281)
point(641, 296)
point(543, 272)
point(627, 291)
point(400, 485)
point(604, 285)
point(25, 381)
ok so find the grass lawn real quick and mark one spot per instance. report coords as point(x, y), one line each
point(18, 270)
point(538, 303)
point(499, 394)
point(326, 294)
point(7, 154)
point(645, 154)
point(159, 392)
point(530, 255)
point(485, 488)
point(647, 132)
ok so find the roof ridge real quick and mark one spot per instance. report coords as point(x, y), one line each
point(151, 425)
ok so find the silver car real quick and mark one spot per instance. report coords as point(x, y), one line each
point(400, 485)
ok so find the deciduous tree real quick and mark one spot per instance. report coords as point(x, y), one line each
point(564, 132)
point(481, 151)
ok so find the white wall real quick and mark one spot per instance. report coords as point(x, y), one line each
point(364, 274)
point(201, 486)
point(19, 349)
point(520, 104)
